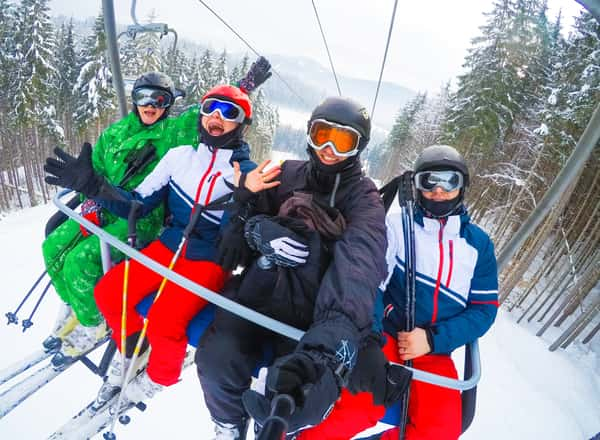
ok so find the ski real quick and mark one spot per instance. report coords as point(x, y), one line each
point(17, 394)
point(90, 421)
point(20, 391)
point(24, 364)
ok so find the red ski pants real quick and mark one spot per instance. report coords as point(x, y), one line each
point(434, 412)
point(170, 314)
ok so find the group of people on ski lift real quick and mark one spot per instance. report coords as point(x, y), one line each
point(318, 252)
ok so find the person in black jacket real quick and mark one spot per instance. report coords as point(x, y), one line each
point(320, 237)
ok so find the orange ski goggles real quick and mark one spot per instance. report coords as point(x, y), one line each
point(342, 139)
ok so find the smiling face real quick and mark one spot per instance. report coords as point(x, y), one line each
point(149, 114)
point(327, 156)
point(215, 125)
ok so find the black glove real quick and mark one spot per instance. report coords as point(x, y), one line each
point(258, 73)
point(373, 373)
point(232, 248)
point(74, 173)
point(279, 244)
point(308, 378)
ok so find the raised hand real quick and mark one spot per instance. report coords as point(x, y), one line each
point(76, 173)
point(259, 72)
point(258, 179)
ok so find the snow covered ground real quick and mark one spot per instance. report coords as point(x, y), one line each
point(526, 392)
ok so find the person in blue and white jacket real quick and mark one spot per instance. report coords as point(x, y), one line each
point(456, 293)
point(185, 178)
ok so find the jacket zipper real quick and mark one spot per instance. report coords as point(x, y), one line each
point(451, 261)
point(213, 181)
point(436, 292)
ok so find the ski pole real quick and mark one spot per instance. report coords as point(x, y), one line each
point(12, 316)
point(131, 241)
point(196, 211)
point(406, 199)
point(26, 323)
point(276, 425)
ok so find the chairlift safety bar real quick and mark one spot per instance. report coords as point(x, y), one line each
point(245, 312)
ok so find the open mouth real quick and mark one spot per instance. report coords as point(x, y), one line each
point(215, 128)
point(150, 113)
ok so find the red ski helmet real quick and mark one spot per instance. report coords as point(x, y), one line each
point(233, 94)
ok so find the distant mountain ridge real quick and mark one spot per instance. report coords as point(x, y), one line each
point(309, 80)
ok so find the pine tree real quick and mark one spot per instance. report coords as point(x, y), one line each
point(96, 102)
point(34, 80)
point(8, 151)
point(240, 69)
point(219, 73)
point(131, 62)
point(502, 69)
point(201, 79)
point(35, 59)
point(400, 138)
point(67, 71)
point(262, 131)
point(148, 47)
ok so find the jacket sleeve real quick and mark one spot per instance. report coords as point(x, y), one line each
point(481, 309)
point(151, 192)
point(345, 301)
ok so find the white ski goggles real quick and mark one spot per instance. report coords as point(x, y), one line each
point(342, 139)
point(446, 180)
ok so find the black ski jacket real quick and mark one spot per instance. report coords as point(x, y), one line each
point(349, 269)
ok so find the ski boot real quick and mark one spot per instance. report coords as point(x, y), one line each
point(231, 431)
point(79, 342)
point(114, 379)
point(65, 323)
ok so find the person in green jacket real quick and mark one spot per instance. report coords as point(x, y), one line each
point(124, 153)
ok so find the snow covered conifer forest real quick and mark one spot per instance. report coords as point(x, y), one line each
point(528, 89)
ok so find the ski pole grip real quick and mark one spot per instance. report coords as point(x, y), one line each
point(134, 211)
point(276, 426)
point(196, 212)
point(405, 188)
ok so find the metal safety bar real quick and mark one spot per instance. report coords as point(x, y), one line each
point(242, 311)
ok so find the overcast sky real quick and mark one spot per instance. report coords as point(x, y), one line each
point(429, 41)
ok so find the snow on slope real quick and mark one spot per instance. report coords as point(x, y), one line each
point(526, 392)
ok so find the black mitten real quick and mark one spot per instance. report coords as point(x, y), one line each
point(309, 379)
point(232, 248)
point(76, 173)
point(259, 72)
point(373, 373)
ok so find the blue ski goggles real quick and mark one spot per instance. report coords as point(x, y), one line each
point(229, 111)
point(157, 98)
point(446, 180)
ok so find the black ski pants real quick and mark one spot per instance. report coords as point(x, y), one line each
point(228, 354)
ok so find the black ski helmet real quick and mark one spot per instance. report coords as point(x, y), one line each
point(345, 111)
point(438, 158)
point(157, 80)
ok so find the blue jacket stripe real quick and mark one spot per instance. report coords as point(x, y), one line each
point(181, 193)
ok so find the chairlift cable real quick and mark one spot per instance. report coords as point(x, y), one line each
point(327, 48)
point(387, 45)
point(253, 50)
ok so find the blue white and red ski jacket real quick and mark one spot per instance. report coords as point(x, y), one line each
point(184, 177)
point(456, 280)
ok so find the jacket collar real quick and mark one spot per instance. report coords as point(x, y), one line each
point(453, 223)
